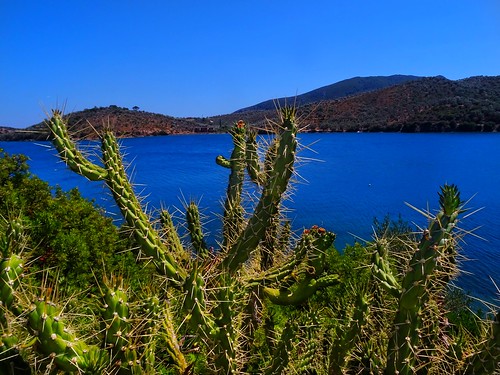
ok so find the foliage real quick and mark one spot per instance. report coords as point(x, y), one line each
point(68, 235)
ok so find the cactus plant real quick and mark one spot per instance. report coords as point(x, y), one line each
point(419, 334)
point(209, 307)
point(212, 289)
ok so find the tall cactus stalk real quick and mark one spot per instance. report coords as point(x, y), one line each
point(268, 205)
point(114, 175)
point(437, 242)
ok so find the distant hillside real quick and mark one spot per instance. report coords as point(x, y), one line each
point(348, 87)
point(123, 121)
point(433, 104)
point(430, 104)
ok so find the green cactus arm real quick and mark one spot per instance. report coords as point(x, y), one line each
point(418, 282)
point(195, 230)
point(131, 209)
point(274, 243)
point(225, 316)
point(310, 347)
point(68, 151)
point(270, 156)
point(169, 338)
point(233, 211)
point(307, 261)
point(222, 161)
point(117, 181)
point(316, 255)
point(13, 240)
point(268, 205)
point(171, 237)
point(382, 271)
point(121, 333)
point(9, 348)
point(198, 318)
point(281, 356)
point(283, 270)
point(300, 291)
point(348, 336)
point(236, 162)
point(55, 341)
point(115, 315)
point(252, 159)
point(486, 359)
point(11, 272)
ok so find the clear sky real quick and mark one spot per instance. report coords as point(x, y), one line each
point(203, 58)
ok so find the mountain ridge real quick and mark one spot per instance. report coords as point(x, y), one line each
point(432, 104)
point(423, 104)
point(337, 90)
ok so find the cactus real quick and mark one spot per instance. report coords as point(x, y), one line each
point(399, 324)
point(63, 348)
point(419, 336)
point(114, 175)
point(423, 273)
point(209, 308)
point(346, 342)
point(195, 231)
point(486, 358)
point(281, 357)
point(212, 290)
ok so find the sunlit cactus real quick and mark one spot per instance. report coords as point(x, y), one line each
point(211, 289)
point(212, 310)
point(415, 276)
point(195, 230)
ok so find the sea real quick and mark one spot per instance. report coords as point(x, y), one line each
point(342, 182)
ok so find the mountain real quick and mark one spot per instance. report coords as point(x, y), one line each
point(418, 104)
point(123, 121)
point(428, 104)
point(433, 104)
point(345, 88)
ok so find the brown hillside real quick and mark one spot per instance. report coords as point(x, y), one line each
point(432, 104)
point(428, 105)
point(87, 124)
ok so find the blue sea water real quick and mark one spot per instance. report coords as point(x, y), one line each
point(343, 182)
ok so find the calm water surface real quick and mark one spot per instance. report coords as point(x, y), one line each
point(343, 182)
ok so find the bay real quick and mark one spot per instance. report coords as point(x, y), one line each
point(343, 181)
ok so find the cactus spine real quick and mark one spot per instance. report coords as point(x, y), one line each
point(486, 358)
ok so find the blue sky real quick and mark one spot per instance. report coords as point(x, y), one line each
point(203, 58)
